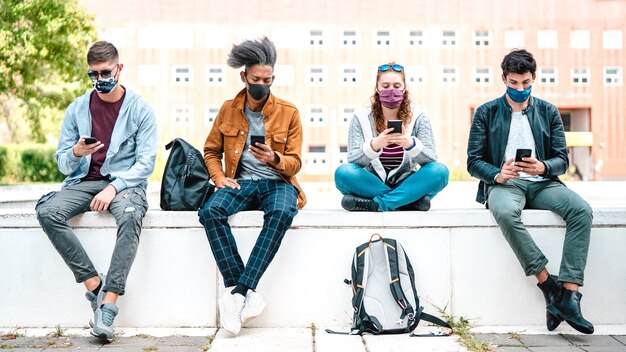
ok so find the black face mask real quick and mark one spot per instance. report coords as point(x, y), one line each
point(258, 91)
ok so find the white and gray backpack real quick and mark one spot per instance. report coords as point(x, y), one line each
point(384, 298)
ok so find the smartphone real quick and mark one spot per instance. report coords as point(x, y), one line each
point(396, 125)
point(257, 139)
point(522, 153)
point(90, 140)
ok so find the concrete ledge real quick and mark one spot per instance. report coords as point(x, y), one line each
point(461, 262)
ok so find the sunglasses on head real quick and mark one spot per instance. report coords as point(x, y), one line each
point(387, 67)
point(104, 73)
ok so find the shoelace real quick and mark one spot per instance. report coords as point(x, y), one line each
point(107, 316)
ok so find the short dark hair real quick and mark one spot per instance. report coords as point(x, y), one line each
point(252, 52)
point(102, 51)
point(519, 61)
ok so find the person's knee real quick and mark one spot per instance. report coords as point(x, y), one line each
point(212, 212)
point(49, 216)
point(346, 172)
point(440, 172)
point(506, 214)
point(283, 214)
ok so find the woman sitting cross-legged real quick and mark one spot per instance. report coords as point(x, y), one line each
point(390, 169)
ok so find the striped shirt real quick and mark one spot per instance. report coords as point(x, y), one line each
point(392, 156)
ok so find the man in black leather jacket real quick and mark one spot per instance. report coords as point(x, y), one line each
point(501, 128)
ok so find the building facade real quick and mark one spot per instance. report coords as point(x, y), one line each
point(175, 52)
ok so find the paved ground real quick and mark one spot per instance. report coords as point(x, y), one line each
point(294, 340)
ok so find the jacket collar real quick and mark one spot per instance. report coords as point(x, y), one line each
point(240, 100)
point(531, 103)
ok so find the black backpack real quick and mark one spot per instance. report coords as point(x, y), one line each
point(384, 298)
point(185, 184)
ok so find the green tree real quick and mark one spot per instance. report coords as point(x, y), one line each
point(43, 44)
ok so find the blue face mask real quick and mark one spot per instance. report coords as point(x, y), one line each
point(104, 86)
point(518, 96)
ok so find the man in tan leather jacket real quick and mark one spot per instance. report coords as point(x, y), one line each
point(260, 138)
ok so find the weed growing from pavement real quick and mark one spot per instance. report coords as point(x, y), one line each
point(462, 327)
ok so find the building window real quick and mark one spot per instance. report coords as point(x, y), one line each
point(416, 38)
point(346, 113)
point(349, 75)
point(182, 75)
point(416, 75)
point(481, 38)
point(547, 39)
point(316, 115)
point(148, 75)
point(316, 38)
point(513, 39)
point(449, 76)
point(612, 39)
point(548, 76)
point(283, 76)
point(210, 113)
point(182, 115)
point(580, 39)
point(613, 76)
point(382, 38)
point(316, 160)
point(482, 76)
point(580, 76)
point(448, 38)
point(315, 75)
point(349, 38)
point(343, 155)
point(215, 75)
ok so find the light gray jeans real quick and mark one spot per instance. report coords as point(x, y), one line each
point(128, 208)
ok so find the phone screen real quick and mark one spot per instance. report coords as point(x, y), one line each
point(257, 139)
point(90, 140)
point(522, 153)
point(396, 125)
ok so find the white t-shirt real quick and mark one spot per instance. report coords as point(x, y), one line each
point(521, 137)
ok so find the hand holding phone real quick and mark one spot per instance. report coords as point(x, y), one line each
point(523, 153)
point(396, 125)
point(256, 139)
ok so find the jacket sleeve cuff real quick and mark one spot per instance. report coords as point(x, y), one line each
point(416, 149)
point(280, 166)
point(119, 184)
point(369, 152)
point(71, 157)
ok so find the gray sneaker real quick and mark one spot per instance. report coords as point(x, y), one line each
point(96, 300)
point(103, 322)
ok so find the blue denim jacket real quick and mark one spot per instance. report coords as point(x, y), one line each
point(132, 152)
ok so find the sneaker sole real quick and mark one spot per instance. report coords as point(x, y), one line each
point(221, 308)
point(254, 314)
point(102, 336)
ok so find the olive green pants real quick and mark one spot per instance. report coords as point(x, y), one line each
point(506, 203)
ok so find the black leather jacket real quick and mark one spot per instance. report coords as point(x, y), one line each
point(490, 132)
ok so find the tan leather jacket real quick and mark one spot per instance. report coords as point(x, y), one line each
point(283, 134)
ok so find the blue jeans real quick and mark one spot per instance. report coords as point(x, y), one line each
point(429, 180)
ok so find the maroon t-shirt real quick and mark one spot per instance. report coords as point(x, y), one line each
point(103, 117)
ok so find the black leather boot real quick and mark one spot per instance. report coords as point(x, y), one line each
point(568, 309)
point(551, 289)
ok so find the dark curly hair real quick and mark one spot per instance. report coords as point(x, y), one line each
point(404, 113)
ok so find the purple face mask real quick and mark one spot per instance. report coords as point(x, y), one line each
point(391, 98)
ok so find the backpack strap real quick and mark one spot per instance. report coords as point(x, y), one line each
point(394, 281)
point(360, 271)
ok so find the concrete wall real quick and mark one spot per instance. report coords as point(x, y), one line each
point(461, 262)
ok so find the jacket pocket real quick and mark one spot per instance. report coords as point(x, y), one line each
point(230, 134)
point(279, 140)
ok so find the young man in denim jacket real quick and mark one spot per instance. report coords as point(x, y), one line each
point(500, 128)
point(107, 149)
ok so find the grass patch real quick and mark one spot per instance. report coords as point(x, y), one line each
point(4, 346)
point(313, 330)
point(150, 348)
point(11, 335)
point(462, 327)
point(57, 332)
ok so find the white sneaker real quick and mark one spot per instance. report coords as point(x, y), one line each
point(230, 306)
point(254, 306)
